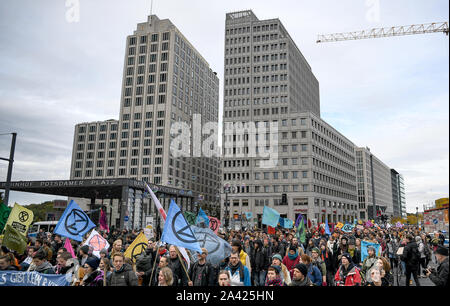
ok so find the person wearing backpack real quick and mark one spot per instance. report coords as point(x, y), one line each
point(411, 257)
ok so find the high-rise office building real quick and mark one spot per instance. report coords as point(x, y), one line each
point(374, 185)
point(268, 81)
point(165, 81)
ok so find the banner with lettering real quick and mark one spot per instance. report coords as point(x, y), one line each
point(19, 278)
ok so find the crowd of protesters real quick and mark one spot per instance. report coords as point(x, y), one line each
point(256, 259)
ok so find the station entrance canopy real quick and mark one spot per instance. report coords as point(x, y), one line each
point(129, 193)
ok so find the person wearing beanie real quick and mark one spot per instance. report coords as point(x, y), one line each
point(291, 259)
point(348, 273)
point(300, 276)
point(274, 276)
point(368, 263)
point(440, 276)
point(93, 276)
point(285, 275)
point(320, 264)
point(83, 254)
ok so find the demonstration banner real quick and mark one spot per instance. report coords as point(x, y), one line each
point(74, 223)
point(14, 240)
point(4, 214)
point(339, 225)
point(218, 249)
point(177, 231)
point(137, 247)
point(327, 227)
point(300, 233)
point(248, 216)
point(365, 245)
point(20, 218)
point(97, 243)
point(18, 278)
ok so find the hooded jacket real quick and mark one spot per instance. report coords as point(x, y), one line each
point(347, 277)
point(45, 268)
point(259, 258)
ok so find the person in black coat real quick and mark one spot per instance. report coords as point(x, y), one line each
point(440, 277)
point(259, 261)
point(179, 274)
point(202, 273)
point(411, 257)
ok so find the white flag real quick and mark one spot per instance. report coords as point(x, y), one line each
point(163, 214)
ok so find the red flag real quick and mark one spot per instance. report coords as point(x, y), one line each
point(271, 230)
point(309, 223)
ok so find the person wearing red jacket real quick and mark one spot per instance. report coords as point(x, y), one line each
point(348, 273)
point(291, 259)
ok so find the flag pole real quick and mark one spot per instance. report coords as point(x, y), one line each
point(181, 261)
point(154, 264)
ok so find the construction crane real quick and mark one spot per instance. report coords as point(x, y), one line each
point(386, 32)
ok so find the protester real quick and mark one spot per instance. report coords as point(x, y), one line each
point(313, 272)
point(300, 276)
point(259, 260)
point(375, 277)
point(41, 265)
point(273, 276)
point(123, 274)
point(202, 272)
point(320, 264)
point(6, 264)
point(165, 277)
point(411, 257)
point(368, 263)
point(93, 277)
point(348, 273)
point(285, 274)
point(179, 274)
point(240, 275)
point(224, 279)
point(440, 277)
point(236, 246)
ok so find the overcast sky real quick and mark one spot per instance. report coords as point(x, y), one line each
point(389, 94)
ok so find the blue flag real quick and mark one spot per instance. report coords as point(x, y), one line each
point(218, 249)
point(177, 230)
point(248, 215)
point(327, 228)
point(270, 217)
point(202, 218)
point(365, 245)
point(74, 223)
point(288, 223)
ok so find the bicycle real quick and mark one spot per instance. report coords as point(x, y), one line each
point(400, 272)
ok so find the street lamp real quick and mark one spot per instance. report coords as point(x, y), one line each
point(10, 166)
point(417, 216)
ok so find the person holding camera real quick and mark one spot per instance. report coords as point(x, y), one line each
point(439, 277)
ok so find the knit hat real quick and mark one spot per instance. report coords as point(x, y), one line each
point(236, 243)
point(441, 250)
point(292, 248)
point(348, 256)
point(277, 256)
point(316, 250)
point(93, 262)
point(302, 268)
point(418, 239)
point(104, 251)
point(276, 268)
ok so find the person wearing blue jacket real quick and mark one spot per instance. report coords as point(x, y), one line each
point(314, 273)
point(239, 274)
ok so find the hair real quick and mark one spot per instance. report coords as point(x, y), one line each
point(65, 255)
point(41, 255)
point(106, 262)
point(386, 264)
point(306, 259)
point(6, 258)
point(40, 241)
point(224, 272)
point(63, 249)
point(118, 254)
point(168, 275)
point(234, 253)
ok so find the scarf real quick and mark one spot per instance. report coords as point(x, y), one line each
point(293, 257)
point(275, 282)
